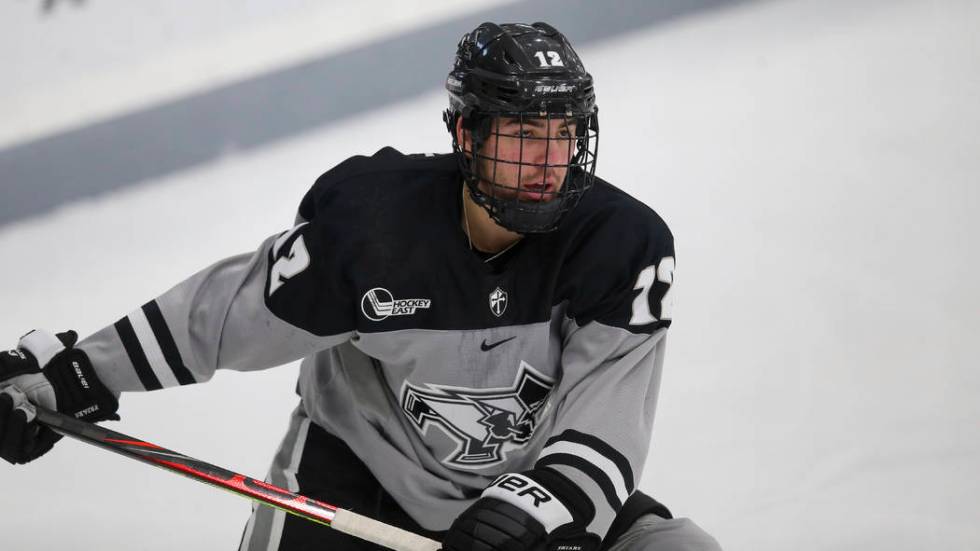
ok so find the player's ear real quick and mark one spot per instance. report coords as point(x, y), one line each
point(463, 136)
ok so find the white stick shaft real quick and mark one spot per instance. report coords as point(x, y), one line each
point(381, 533)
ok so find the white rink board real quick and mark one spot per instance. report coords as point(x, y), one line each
point(817, 162)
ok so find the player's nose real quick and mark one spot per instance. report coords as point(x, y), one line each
point(548, 152)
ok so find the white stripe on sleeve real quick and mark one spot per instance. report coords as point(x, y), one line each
point(594, 457)
point(151, 349)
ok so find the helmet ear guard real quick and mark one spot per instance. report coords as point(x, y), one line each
point(529, 74)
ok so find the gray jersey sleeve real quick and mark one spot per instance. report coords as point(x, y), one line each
point(602, 432)
point(220, 318)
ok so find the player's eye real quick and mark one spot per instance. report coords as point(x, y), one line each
point(514, 131)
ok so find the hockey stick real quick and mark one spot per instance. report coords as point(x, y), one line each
point(339, 519)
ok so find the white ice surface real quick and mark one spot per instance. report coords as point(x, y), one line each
point(818, 163)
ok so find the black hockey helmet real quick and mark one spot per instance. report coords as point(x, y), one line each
point(516, 84)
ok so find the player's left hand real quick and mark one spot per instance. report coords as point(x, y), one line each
point(49, 371)
point(523, 512)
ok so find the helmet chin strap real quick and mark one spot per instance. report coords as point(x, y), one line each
point(528, 214)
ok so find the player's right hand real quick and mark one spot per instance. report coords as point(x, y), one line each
point(530, 511)
point(494, 525)
point(47, 371)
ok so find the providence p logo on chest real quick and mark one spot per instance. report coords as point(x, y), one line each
point(378, 304)
point(483, 423)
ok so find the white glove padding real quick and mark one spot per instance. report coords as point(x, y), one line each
point(22, 366)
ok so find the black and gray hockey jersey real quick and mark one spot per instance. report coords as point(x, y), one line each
point(441, 371)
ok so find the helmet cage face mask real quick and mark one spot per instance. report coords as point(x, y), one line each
point(528, 169)
point(530, 125)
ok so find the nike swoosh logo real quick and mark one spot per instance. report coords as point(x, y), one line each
point(484, 346)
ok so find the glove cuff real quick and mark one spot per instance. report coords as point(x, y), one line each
point(533, 498)
point(544, 494)
point(571, 496)
point(77, 388)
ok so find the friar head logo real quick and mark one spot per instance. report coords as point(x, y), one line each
point(480, 421)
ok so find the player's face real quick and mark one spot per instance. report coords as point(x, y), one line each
point(527, 159)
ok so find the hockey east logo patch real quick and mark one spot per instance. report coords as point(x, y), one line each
point(378, 304)
point(484, 423)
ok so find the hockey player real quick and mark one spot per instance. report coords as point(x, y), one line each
point(482, 332)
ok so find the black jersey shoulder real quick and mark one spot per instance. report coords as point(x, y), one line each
point(609, 207)
point(363, 223)
point(363, 177)
point(377, 211)
point(609, 239)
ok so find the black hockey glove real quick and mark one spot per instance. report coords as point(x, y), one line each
point(538, 510)
point(47, 371)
